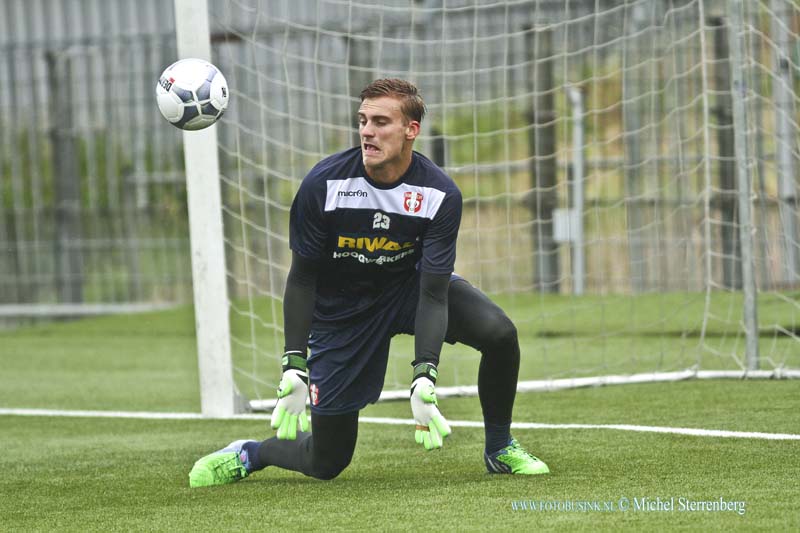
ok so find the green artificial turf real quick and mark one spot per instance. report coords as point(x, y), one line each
point(122, 474)
point(82, 474)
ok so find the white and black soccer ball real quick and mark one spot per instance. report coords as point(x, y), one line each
point(192, 94)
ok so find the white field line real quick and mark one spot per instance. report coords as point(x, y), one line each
point(694, 432)
point(549, 385)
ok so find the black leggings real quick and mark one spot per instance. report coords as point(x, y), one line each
point(473, 320)
point(322, 454)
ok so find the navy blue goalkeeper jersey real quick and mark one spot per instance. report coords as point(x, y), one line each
point(371, 237)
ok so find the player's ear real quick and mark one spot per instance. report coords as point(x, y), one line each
point(412, 130)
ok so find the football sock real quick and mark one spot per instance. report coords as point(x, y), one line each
point(497, 436)
point(254, 463)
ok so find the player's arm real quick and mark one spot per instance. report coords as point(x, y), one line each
point(431, 320)
point(298, 308)
point(307, 234)
point(298, 302)
point(438, 258)
point(429, 332)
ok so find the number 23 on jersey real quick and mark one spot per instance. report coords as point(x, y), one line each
point(380, 221)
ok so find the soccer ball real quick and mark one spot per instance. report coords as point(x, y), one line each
point(192, 94)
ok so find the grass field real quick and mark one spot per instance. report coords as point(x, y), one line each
point(105, 474)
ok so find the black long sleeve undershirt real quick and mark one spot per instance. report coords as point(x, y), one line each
point(298, 303)
point(430, 326)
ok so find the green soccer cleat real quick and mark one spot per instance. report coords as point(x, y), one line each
point(221, 467)
point(514, 459)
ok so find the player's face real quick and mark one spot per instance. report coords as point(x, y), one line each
point(386, 137)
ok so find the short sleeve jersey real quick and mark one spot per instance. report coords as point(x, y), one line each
point(370, 237)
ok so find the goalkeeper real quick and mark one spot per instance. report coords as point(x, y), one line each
point(373, 236)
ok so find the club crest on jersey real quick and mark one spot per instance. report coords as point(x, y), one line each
point(314, 390)
point(412, 202)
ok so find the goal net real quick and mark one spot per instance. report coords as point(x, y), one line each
point(629, 172)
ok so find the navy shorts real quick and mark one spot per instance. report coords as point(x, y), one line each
point(347, 363)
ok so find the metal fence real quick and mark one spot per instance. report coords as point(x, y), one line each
point(92, 197)
point(92, 201)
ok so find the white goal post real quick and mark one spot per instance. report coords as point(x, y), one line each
point(217, 389)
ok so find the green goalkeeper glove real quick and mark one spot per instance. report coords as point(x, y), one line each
point(431, 428)
point(292, 395)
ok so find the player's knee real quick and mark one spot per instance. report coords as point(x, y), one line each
point(329, 472)
point(502, 332)
point(330, 469)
